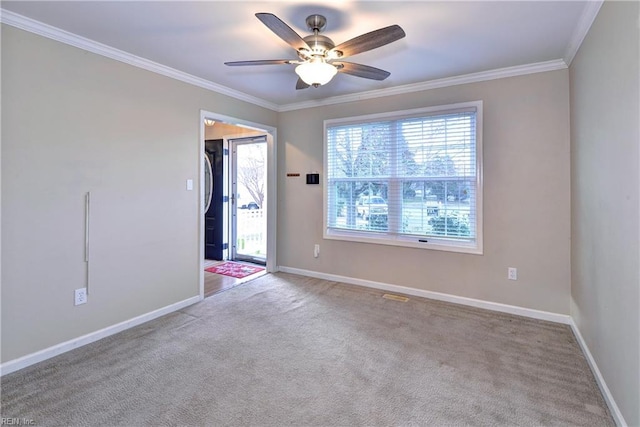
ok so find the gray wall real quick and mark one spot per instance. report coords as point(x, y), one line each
point(75, 122)
point(605, 139)
point(526, 198)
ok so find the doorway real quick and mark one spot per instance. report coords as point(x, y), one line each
point(239, 153)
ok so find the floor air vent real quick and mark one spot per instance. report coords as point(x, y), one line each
point(395, 297)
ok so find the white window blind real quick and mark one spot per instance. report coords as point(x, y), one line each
point(409, 178)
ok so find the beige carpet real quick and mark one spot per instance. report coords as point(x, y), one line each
point(288, 350)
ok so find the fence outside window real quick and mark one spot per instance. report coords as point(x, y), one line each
point(251, 236)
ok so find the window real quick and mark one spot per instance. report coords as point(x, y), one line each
point(409, 178)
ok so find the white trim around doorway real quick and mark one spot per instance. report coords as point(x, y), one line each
point(272, 180)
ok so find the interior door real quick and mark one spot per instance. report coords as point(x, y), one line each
point(213, 217)
point(249, 196)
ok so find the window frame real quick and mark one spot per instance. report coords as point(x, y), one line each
point(431, 242)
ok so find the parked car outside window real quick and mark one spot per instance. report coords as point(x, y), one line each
point(372, 205)
point(250, 206)
point(432, 204)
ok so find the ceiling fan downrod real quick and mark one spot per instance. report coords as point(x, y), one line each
point(316, 23)
point(320, 45)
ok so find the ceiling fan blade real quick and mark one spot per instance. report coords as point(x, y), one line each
point(301, 84)
point(259, 62)
point(370, 40)
point(360, 70)
point(283, 31)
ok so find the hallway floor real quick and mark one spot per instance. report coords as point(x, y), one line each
point(214, 283)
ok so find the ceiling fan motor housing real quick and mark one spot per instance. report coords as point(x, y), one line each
point(319, 45)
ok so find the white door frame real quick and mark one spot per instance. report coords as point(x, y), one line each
point(231, 144)
point(271, 186)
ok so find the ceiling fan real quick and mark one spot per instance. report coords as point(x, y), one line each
point(319, 58)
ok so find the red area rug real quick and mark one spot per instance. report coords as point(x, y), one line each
point(234, 269)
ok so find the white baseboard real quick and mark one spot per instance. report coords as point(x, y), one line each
point(494, 306)
point(47, 353)
point(606, 393)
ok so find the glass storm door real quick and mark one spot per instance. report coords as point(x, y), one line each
point(249, 199)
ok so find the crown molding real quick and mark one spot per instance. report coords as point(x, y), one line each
point(589, 14)
point(53, 33)
point(500, 73)
point(48, 31)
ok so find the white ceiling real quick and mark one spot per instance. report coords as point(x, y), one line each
point(444, 38)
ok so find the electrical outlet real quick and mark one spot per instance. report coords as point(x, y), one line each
point(512, 273)
point(316, 250)
point(81, 296)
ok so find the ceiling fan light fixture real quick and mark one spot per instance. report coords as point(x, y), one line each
point(316, 72)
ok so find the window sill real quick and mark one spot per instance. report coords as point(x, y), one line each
point(431, 243)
